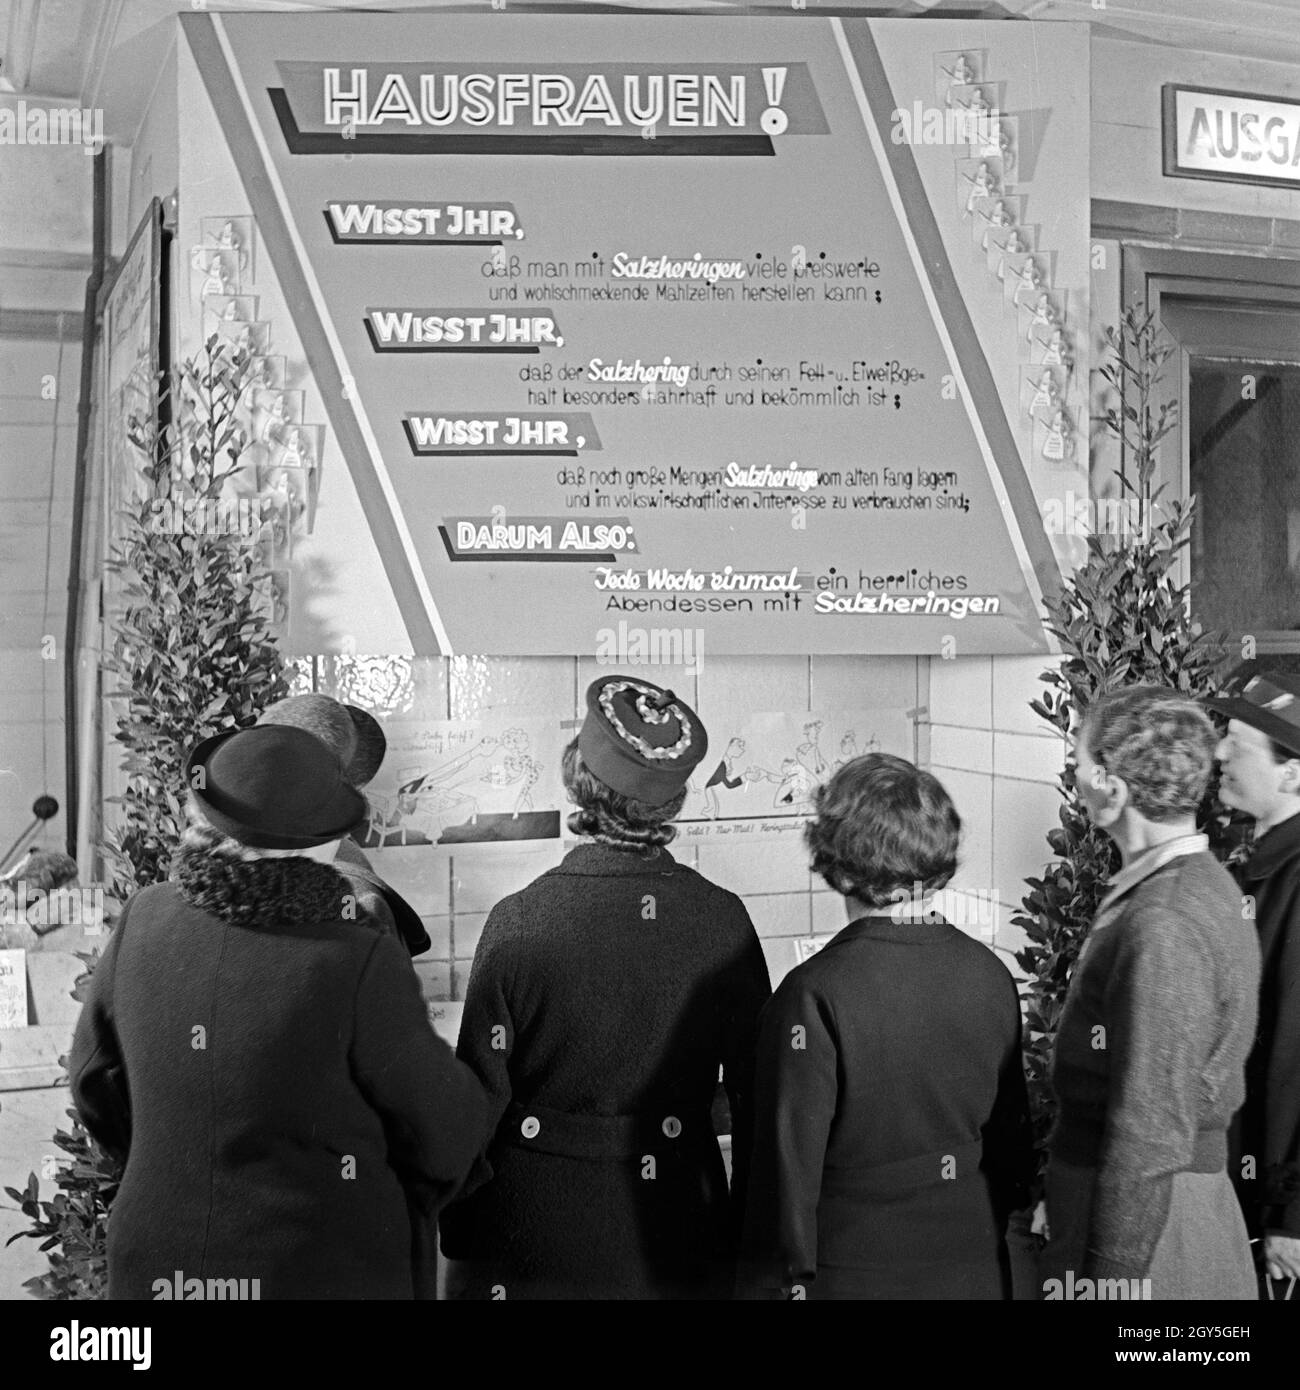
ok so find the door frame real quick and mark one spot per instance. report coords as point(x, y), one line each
point(1149, 275)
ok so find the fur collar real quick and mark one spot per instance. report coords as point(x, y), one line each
point(213, 877)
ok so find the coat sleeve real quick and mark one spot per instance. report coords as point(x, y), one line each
point(487, 1026)
point(1160, 1008)
point(1281, 1158)
point(96, 1070)
point(750, 990)
point(1009, 1158)
point(795, 1092)
point(433, 1108)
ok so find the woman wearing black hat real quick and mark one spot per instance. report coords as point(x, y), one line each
point(603, 1000)
point(356, 738)
point(260, 1058)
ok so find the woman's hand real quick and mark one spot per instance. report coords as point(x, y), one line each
point(1282, 1255)
point(1038, 1223)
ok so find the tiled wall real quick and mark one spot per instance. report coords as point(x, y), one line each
point(1000, 763)
point(971, 724)
point(455, 892)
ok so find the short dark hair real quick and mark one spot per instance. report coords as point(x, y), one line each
point(1159, 741)
point(611, 818)
point(881, 824)
point(1281, 753)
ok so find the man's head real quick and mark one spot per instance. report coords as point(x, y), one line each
point(1258, 774)
point(1260, 753)
point(1144, 751)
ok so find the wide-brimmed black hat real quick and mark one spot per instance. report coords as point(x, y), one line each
point(273, 787)
point(641, 740)
point(1266, 700)
point(354, 735)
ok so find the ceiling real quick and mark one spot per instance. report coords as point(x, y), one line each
point(107, 52)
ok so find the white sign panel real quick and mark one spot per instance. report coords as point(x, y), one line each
point(1231, 136)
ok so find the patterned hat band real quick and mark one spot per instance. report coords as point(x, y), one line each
point(655, 706)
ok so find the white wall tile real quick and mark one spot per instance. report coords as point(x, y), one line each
point(439, 929)
point(469, 930)
point(961, 691)
point(780, 866)
point(781, 956)
point(460, 978)
point(972, 794)
point(481, 879)
point(970, 750)
point(864, 682)
point(1015, 683)
point(780, 914)
point(828, 914)
point(1023, 813)
point(1030, 756)
point(420, 874)
point(734, 687)
point(435, 978)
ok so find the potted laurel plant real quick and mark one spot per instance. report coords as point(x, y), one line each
point(1121, 619)
point(192, 653)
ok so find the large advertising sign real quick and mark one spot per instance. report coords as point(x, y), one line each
point(766, 329)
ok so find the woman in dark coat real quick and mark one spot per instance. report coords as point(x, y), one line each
point(892, 1132)
point(603, 1000)
point(260, 1058)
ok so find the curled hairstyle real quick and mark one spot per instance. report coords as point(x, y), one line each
point(611, 818)
point(1160, 742)
point(882, 824)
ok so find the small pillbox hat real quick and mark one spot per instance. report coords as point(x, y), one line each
point(639, 739)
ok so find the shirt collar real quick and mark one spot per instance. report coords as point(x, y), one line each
point(1146, 863)
point(1273, 848)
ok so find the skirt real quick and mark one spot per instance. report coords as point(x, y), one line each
point(1203, 1252)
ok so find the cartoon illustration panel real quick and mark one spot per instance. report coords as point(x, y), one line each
point(459, 782)
point(761, 772)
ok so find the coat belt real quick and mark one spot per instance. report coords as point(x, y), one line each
point(955, 1164)
point(549, 1131)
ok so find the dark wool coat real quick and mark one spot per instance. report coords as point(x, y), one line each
point(892, 1133)
point(380, 900)
point(603, 1000)
point(1269, 1125)
point(270, 1075)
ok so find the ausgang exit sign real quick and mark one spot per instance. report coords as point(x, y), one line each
point(1230, 136)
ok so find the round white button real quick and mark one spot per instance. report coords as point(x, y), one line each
point(672, 1126)
point(531, 1127)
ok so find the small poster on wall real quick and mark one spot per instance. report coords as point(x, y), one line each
point(462, 782)
point(13, 989)
point(761, 773)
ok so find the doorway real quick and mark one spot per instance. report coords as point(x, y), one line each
point(1235, 321)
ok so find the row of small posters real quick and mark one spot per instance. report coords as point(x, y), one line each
point(495, 780)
